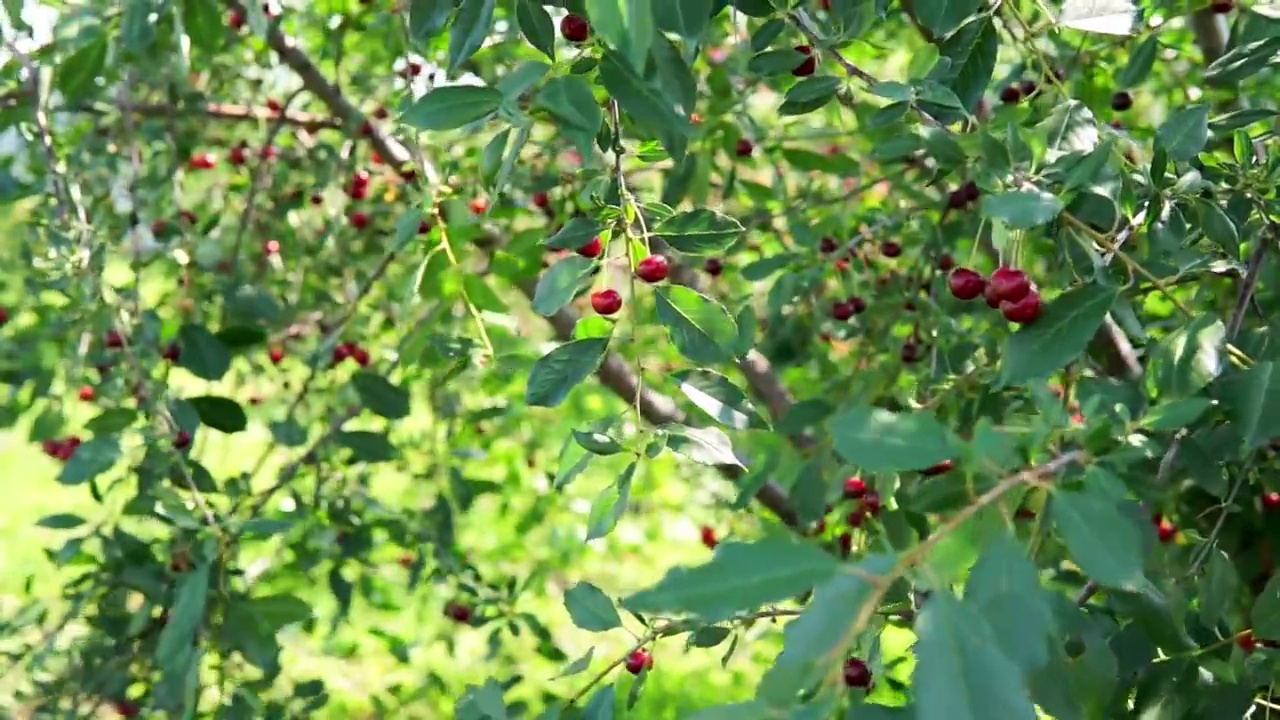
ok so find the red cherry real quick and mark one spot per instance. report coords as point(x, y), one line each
point(317, 199)
point(4, 316)
point(1009, 284)
point(1271, 500)
point(235, 19)
point(808, 65)
point(238, 155)
point(126, 708)
point(458, 612)
point(946, 262)
point(910, 352)
point(1222, 7)
point(1247, 642)
point(479, 205)
point(202, 161)
point(890, 249)
point(361, 356)
point(274, 105)
point(638, 661)
point(965, 284)
point(424, 226)
point(1166, 531)
point(841, 310)
point(182, 440)
point(1010, 94)
point(854, 488)
point(342, 351)
point(856, 673)
point(938, 468)
point(989, 294)
point(743, 148)
point(359, 220)
point(86, 393)
point(412, 69)
point(606, 302)
point(871, 503)
point(575, 28)
point(268, 152)
point(713, 267)
point(1121, 101)
point(276, 354)
point(358, 192)
point(827, 245)
point(271, 247)
point(709, 537)
point(845, 542)
point(366, 128)
point(859, 305)
point(855, 517)
point(172, 352)
point(360, 178)
point(114, 340)
point(1024, 311)
point(652, 269)
point(592, 249)
point(540, 199)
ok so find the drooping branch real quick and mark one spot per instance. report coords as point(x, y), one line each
point(614, 373)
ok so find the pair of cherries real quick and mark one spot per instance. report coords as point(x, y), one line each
point(1008, 290)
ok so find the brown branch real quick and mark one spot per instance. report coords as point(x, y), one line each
point(211, 110)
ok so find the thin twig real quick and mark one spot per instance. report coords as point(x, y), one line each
point(1249, 286)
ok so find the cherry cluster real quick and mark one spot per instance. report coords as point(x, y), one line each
point(1008, 290)
point(61, 449)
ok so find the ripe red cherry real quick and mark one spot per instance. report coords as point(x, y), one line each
point(1271, 500)
point(235, 19)
point(1010, 94)
point(841, 310)
point(743, 148)
point(1121, 101)
point(238, 155)
point(652, 269)
point(856, 673)
point(182, 440)
point(1247, 642)
point(713, 267)
point(592, 249)
point(845, 542)
point(575, 28)
point(606, 302)
point(361, 356)
point(360, 178)
point(871, 503)
point(457, 612)
point(1222, 7)
point(966, 284)
point(1024, 311)
point(479, 205)
point(709, 537)
point(203, 161)
point(4, 316)
point(1009, 284)
point(854, 488)
point(274, 105)
point(381, 112)
point(938, 468)
point(271, 247)
point(412, 69)
point(540, 199)
point(86, 393)
point(1028, 87)
point(1166, 531)
point(359, 220)
point(276, 354)
point(172, 352)
point(856, 517)
point(114, 340)
point(827, 245)
point(126, 708)
point(890, 249)
point(946, 262)
point(808, 65)
point(911, 352)
point(638, 661)
point(268, 152)
point(859, 305)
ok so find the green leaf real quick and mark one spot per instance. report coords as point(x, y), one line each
point(1022, 209)
point(968, 60)
point(626, 25)
point(686, 18)
point(535, 22)
point(203, 354)
point(278, 610)
point(203, 23)
point(877, 440)
point(590, 609)
point(960, 672)
point(1058, 336)
point(61, 521)
point(220, 413)
point(705, 446)
point(1004, 587)
point(1251, 399)
point(700, 232)
point(751, 710)
point(578, 666)
point(775, 62)
point(427, 18)
point(809, 94)
point(1189, 358)
point(452, 106)
point(111, 421)
point(1265, 616)
point(1243, 62)
point(1176, 414)
point(470, 28)
point(569, 99)
point(561, 283)
point(645, 104)
point(74, 77)
point(366, 445)
point(741, 576)
point(718, 397)
point(575, 233)
point(610, 504)
point(675, 78)
point(1186, 131)
point(1219, 587)
point(813, 638)
point(90, 460)
point(943, 17)
point(1141, 60)
point(560, 370)
point(1103, 541)
point(700, 328)
point(1109, 17)
point(381, 396)
point(185, 615)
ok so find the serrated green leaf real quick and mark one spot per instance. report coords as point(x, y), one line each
point(1186, 132)
point(220, 413)
point(203, 353)
point(562, 369)
point(1251, 399)
point(700, 232)
point(876, 440)
point(719, 398)
point(1103, 541)
point(470, 28)
point(536, 25)
point(1022, 209)
point(590, 609)
point(381, 396)
point(561, 283)
point(451, 107)
point(1058, 336)
point(610, 505)
point(705, 446)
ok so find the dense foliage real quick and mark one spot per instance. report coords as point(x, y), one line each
point(947, 326)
